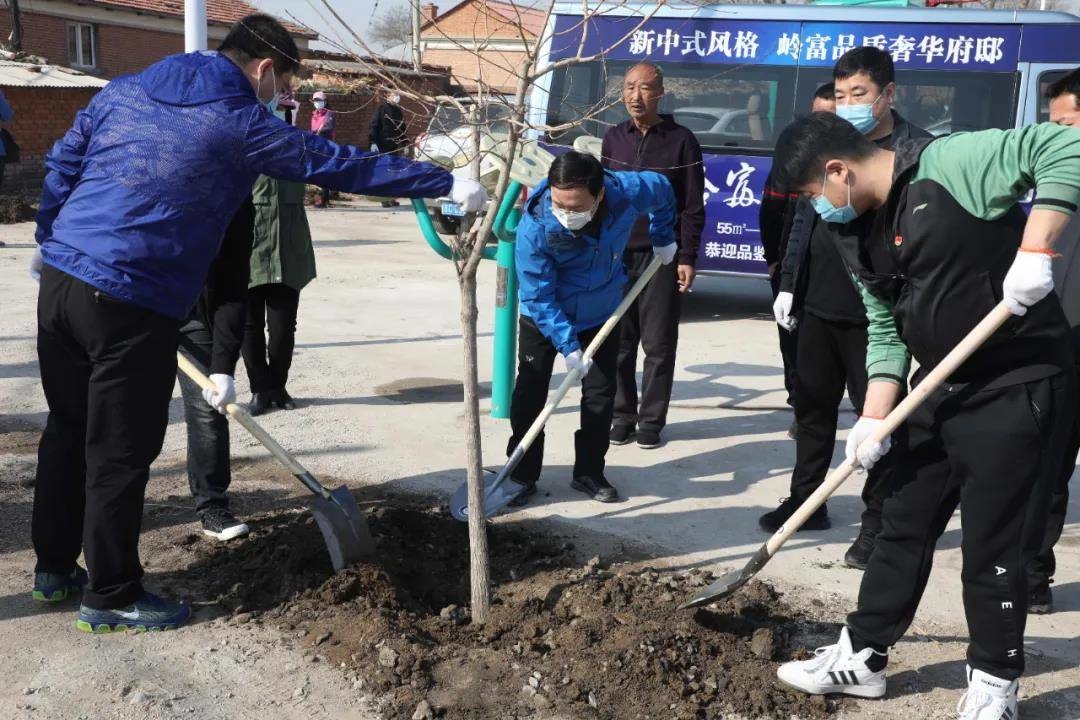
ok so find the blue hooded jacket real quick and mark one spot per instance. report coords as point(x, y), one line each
point(139, 192)
point(571, 282)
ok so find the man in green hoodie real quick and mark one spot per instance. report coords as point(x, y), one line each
point(949, 242)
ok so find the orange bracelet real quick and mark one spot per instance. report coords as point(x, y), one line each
point(1040, 251)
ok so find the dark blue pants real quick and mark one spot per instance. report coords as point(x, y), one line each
point(207, 429)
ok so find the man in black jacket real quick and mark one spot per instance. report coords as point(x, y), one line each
point(817, 288)
point(650, 141)
point(387, 129)
point(211, 340)
point(1064, 97)
point(778, 210)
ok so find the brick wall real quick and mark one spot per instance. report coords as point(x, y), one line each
point(495, 67)
point(354, 111)
point(120, 50)
point(42, 116)
point(468, 23)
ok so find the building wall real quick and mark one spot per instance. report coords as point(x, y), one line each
point(42, 116)
point(495, 39)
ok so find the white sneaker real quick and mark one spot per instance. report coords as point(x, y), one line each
point(835, 669)
point(988, 698)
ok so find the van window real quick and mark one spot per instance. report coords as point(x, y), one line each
point(1047, 79)
point(740, 107)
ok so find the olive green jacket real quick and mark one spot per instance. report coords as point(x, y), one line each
point(282, 253)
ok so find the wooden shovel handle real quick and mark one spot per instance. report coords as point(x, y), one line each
point(933, 380)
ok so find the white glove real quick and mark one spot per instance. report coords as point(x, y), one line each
point(469, 195)
point(1029, 280)
point(666, 253)
point(224, 392)
point(374, 148)
point(868, 453)
point(36, 264)
point(576, 361)
point(781, 310)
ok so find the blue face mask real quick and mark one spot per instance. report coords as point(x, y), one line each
point(861, 116)
point(829, 212)
point(272, 103)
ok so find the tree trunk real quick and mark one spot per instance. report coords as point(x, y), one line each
point(414, 33)
point(16, 26)
point(478, 549)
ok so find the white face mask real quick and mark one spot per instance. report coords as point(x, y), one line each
point(395, 99)
point(319, 104)
point(573, 220)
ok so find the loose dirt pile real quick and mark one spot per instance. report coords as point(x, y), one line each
point(15, 209)
point(563, 641)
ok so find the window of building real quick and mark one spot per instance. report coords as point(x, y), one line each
point(82, 48)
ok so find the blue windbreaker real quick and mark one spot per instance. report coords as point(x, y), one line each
point(571, 283)
point(141, 189)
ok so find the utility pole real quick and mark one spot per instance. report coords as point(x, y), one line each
point(414, 7)
point(16, 26)
point(194, 25)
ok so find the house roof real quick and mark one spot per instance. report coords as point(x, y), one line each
point(348, 65)
point(224, 12)
point(22, 74)
point(531, 18)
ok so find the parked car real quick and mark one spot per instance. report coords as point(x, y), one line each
point(721, 126)
point(449, 142)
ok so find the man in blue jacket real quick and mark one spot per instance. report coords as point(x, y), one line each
point(135, 203)
point(570, 245)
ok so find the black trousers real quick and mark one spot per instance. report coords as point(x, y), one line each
point(271, 308)
point(831, 355)
point(108, 369)
point(789, 343)
point(997, 454)
point(536, 358)
point(653, 322)
point(207, 429)
point(1042, 568)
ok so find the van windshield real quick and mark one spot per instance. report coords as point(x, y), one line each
point(745, 107)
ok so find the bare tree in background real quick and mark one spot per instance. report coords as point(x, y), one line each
point(489, 159)
point(392, 27)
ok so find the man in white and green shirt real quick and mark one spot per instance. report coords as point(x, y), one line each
point(949, 242)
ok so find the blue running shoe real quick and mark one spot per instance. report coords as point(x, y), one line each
point(147, 613)
point(54, 587)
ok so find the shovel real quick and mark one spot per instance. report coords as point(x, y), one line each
point(496, 495)
point(732, 581)
point(342, 525)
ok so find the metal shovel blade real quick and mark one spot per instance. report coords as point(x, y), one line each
point(730, 582)
point(497, 495)
point(343, 528)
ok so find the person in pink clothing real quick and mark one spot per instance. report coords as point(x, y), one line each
point(322, 124)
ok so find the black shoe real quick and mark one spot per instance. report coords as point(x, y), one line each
point(1040, 600)
point(387, 204)
point(260, 404)
point(621, 434)
point(221, 524)
point(522, 498)
point(858, 555)
point(598, 489)
point(283, 400)
point(772, 521)
point(648, 439)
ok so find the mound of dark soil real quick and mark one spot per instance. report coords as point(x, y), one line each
point(564, 640)
point(15, 209)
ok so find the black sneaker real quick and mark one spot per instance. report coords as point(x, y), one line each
point(221, 524)
point(648, 439)
point(598, 489)
point(772, 521)
point(858, 555)
point(621, 434)
point(283, 400)
point(522, 498)
point(260, 404)
point(1040, 600)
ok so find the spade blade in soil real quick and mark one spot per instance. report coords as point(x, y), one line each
point(730, 582)
point(343, 528)
point(497, 495)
